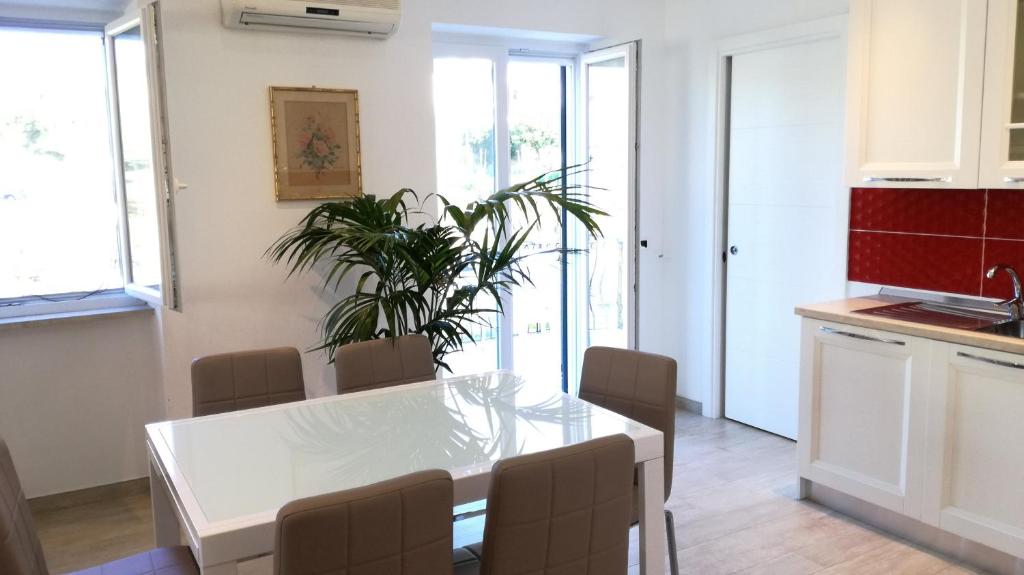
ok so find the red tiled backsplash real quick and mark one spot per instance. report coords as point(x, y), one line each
point(941, 240)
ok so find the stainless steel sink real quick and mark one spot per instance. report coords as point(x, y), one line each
point(1012, 328)
point(941, 314)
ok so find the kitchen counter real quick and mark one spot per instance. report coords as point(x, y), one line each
point(842, 311)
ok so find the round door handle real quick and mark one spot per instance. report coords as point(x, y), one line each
point(734, 250)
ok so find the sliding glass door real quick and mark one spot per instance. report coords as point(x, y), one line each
point(501, 119)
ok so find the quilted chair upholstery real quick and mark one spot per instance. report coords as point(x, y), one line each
point(20, 550)
point(245, 379)
point(401, 526)
point(561, 511)
point(383, 362)
point(642, 387)
point(22, 554)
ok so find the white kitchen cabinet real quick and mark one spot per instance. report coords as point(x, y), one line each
point(974, 479)
point(914, 100)
point(862, 413)
point(1002, 143)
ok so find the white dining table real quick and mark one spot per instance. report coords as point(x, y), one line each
point(219, 480)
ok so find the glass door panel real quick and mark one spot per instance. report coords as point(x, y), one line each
point(1017, 106)
point(464, 113)
point(536, 120)
point(609, 139)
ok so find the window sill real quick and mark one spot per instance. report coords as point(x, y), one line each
point(71, 316)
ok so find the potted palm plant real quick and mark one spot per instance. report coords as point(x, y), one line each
point(439, 279)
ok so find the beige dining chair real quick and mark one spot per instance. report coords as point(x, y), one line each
point(245, 379)
point(402, 526)
point(383, 362)
point(642, 387)
point(566, 510)
point(21, 553)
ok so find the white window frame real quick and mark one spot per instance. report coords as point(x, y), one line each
point(43, 306)
point(146, 16)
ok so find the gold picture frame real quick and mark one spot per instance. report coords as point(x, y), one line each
point(315, 133)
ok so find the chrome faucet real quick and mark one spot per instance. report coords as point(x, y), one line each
point(1016, 304)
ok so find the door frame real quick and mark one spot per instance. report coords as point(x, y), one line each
point(501, 56)
point(802, 33)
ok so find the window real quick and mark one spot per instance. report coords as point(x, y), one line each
point(83, 204)
point(58, 211)
point(501, 118)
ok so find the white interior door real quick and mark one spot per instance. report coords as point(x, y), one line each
point(786, 219)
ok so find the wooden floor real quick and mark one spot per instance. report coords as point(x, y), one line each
point(733, 497)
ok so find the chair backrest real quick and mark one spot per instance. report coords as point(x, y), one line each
point(20, 550)
point(401, 526)
point(638, 385)
point(245, 379)
point(566, 510)
point(383, 363)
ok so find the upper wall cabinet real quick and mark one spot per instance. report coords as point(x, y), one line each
point(915, 92)
point(1002, 144)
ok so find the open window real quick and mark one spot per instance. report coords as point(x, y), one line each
point(142, 169)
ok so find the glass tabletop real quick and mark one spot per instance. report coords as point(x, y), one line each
point(255, 461)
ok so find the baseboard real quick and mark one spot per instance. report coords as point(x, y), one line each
point(926, 536)
point(59, 501)
point(689, 405)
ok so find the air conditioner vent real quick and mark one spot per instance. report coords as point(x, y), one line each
point(379, 4)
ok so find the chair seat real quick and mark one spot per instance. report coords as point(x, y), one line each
point(466, 560)
point(161, 561)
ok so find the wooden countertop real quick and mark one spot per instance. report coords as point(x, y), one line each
point(841, 311)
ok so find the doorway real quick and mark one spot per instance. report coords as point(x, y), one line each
point(782, 211)
point(507, 115)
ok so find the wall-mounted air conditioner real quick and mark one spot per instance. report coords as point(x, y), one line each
point(369, 18)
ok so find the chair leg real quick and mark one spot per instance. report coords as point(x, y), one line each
point(670, 531)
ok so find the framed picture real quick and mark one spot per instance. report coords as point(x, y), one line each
point(316, 143)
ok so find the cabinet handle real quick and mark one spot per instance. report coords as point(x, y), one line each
point(896, 180)
point(1013, 180)
point(833, 331)
point(998, 362)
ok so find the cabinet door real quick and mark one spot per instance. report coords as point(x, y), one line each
point(974, 480)
point(914, 92)
point(1002, 144)
point(861, 413)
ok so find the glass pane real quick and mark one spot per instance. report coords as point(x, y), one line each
point(464, 101)
point(1017, 112)
point(137, 151)
point(1017, 145)
point(608, 148)
point(535, 134)
point(58, 224)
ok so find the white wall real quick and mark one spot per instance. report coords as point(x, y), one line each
point(694, 29)
point(217, 83)
point(74, 397)
point(63, 386)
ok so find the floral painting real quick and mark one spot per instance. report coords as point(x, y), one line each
point(316, 143)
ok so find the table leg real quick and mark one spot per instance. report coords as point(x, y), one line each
point(165, 523)
point(230, 568)
point(652, 516)
point(804, 489)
